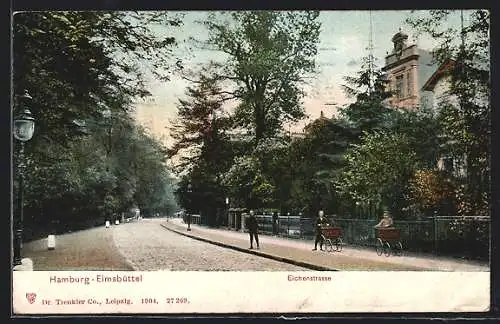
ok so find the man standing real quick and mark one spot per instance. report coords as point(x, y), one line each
point(253, 229)
point(321, 221)
point(275, 223)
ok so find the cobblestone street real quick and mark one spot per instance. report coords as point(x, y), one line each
point(148, 246)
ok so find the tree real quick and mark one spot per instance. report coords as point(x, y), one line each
point(69, 62)
point(199, 132)
point(315, 162)
point(432, 191)
point(269, 54)
point(369, 112)
point(378, 170)
point(423, 131)
point(202, 145)
point(248, 186)
point(466, 119)
point(76, 64)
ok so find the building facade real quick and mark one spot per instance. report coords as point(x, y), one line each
point(407, 68)
point(439, 84)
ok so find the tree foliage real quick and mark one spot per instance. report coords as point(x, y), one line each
point(466, 114)
point(199, 131)
point(430, 190)
point(202, 145)
point(369, 111)
point(378, 169)
point(269, 55)
point(80, 163)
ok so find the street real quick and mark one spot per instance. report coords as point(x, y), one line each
point(148, 246)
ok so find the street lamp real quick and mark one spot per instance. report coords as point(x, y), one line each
point(188, 216)
point(24, 127)
point(107, 114)
point(227, 211)
point(288, 223)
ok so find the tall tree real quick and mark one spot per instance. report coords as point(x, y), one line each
point(269, 55)
point(369, 112)
point(202, 147)
point(314, 163)
point(465, 115)
point(77, 65)
point(378, 170)
point(199, 131)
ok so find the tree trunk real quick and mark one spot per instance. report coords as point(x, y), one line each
point(260, 124)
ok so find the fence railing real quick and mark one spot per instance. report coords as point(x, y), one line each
point(195, 219)
point(460, 236)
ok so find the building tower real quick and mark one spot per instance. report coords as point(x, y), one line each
point(407, 67)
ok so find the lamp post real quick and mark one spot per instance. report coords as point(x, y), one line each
point(190, 191)
point(106, 114)
point(227, 211)
point(288, 224)
point(24, 126)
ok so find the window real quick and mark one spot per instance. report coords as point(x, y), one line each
point(399, 87)
point(409, 84)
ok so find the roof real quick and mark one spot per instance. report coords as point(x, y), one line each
point(442, 70)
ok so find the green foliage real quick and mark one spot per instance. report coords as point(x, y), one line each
point(247, 185)
point(423, 131)
point(316, 162)
point(269, 54)
point(430, 191)
point(202, 147)
point(378, 169)
point(199, 132)
point(465, 115)
point(81, 164)
point(369, 112)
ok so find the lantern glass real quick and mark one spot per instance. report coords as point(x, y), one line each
point(24, 126)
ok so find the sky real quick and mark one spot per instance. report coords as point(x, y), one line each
point(344, 39)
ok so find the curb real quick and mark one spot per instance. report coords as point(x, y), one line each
point(254, 252)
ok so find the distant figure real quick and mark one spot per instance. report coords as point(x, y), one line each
point(321, 222)
point(188, 219)
point(275, 223)
point(386, 221)
point(253, 229)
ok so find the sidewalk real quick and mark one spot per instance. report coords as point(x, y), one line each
point(85, 250)
point(299, 252)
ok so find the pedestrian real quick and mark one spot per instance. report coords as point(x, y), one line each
point(275, 223)
point(321, 222)
point(386, 221)
point(253, 229)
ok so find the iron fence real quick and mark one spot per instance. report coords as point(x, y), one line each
point(458, 236)
point(195, 219)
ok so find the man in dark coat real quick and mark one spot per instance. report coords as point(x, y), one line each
point(321, 222)
point(275, 223)
point(253, 229)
